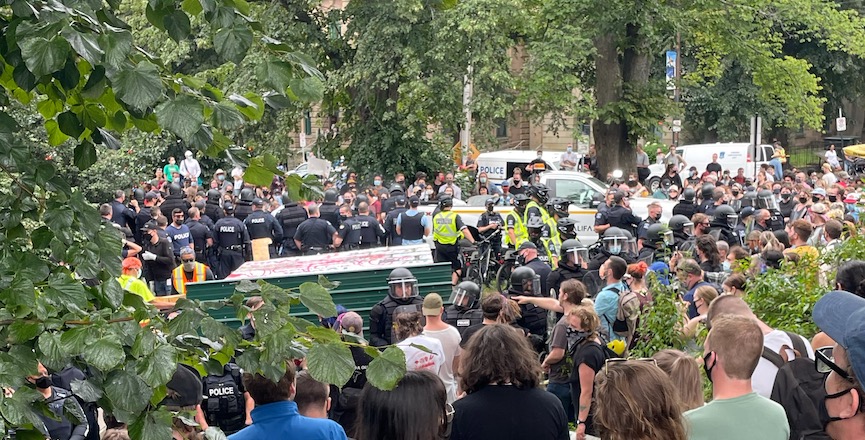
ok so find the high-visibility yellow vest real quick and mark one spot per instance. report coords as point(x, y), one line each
point(544, 215)
point(520, 231)
point(178, 277)
point(445, 228)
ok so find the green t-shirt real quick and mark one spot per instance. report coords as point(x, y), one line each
point(168, 169)
point(136, 286)
point(745, 417)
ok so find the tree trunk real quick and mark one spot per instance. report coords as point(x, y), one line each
point(635, 73)
point(611, 139)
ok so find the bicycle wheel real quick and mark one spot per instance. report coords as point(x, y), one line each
point(474, 274)
point(503, 276)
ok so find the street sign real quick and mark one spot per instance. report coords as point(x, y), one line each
point(677, 125)
point(841, 124)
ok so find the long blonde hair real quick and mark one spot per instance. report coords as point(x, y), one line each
point(684, 372)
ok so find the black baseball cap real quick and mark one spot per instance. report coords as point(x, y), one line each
point(414, 201)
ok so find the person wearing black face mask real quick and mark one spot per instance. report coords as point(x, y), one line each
point(732, 350)
point(58, 399)
point(178, 232)
point(787, 203)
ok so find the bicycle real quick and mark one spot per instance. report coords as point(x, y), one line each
point(503, 275)
point(482, 264)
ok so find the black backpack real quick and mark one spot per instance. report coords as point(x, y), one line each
point(224, 405)
point(799, 389)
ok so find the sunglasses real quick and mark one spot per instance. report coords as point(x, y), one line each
point(616, 361)
point(448, 422)
point(187, 260)
point(824, 362)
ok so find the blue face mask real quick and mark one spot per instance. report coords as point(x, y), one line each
point(725, 266)
point(377, 182)
point(615, 249)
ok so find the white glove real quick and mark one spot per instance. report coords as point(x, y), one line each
point(149, 256)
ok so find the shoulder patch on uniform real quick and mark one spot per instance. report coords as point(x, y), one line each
point(599, 215)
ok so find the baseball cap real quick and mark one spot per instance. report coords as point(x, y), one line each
point(150, 226)
point(818, 192)
point(689, 267)
point(258, 202)
point(841, 315)
point(413, 201)
point(673, 188)
point(184, 388)
point(351, 322)
point(527, 245)
point(818, 208)
point(432, 304)
point(746, 212)
point(506, 184)
point(851, 198)
point(151, 195)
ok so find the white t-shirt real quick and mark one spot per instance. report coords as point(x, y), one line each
point(830, 179)
point(450, 340)
point(832, 158)
point(417, 359)
point(764, 376)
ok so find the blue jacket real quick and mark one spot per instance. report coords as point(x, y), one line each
point(280, 420)
point(607, 305)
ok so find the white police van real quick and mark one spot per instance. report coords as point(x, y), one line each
point(499, 165)
point(731, 156)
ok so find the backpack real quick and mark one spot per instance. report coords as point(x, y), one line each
point(628, 311)
point(798, 387)
point(224, 405)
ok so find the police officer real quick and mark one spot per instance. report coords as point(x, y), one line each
point(766, 200)
point(656, 244)
point(402, 291)
point(724, 220)
point(447, 226)
point(261, 224)
point(362, 231)
point(514, 225)
point(490, 225)
point(535, 208)
point(614, 243)
point(573, 260)
point(620, 215)
point(315, 235)
point(290, 217)
point(211, 207)
point(602, 222)
point(557, 207)
point(226, 402)
point(567, 228)
point(412, 226)
point(202, 236)
point(328, 209)
point(686, 206)
point(524, 282)
point(121, 214)
point(390, 221)
point(388, 204)
point(683, 230)
point(655, 212)
point(463, 311)
point(231, 240)
point(175, 200)
point(535, 227)
point(244, 205)
point(707, 199)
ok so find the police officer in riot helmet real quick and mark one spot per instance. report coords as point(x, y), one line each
point(558, 209)
point(391, 220)
point(244, 204)
point(682, 228)
point(706, 198)
point(573, 260)
point(138, 195)
point(225, 400)
point(766, 200)
point(614, 240)
point(175, 200)
point(329, 210)
point(724, 221)
point(686, 206)
point(290, 217)
point(212, 208)
point(535, 228)
point(396, 193)
point(567, 228)
point(261, 224)
point(629, 252)
point(231, 242)
point(464, 311)
point(525, 282)
point(402, 291)
point(749, 199)
point(657, 244)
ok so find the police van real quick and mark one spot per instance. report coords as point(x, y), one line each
point(585, 193)
point(731, 156)
point(499, 165)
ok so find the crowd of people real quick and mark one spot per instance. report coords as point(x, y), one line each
point(549, 354)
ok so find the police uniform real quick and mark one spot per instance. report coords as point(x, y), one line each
point(463, 319)
point(315, 235)
point(381, 319)
point(360, 232)
point(172, 202)
point(446, 232)
point(330, 212)
point(213, 210)
point(224, 404)
point(393, 239)
point(514, 221)
point(411, 226)
point(489, 218)
point(622, 218)
point(290, 217)
point(242, 209)
point(686, 208)
point(261, 224)
point(199, 234)
point(230, 239)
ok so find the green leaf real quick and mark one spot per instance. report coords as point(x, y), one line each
point(275, 73)
point(104, 354)
point(232, 43)
point(65, 289)
point(55, 135)
point(127, 391)
point(226, 117)
point(214, 433)
point(140, 86)
point(277, 101)
point(385, 371)
point(20, 293)
point(309, 89)
point(317, 299)
point(87, 390)
point(177, 24)
point(84, 155)
point(74, 341)
point(156, 369)
point(70, 125)
point(261, 169)
point(117, 46)
point(151, 426)
point(327, 284)
point(182, 116)
point(22, 331)
point(51, 351)
point(44, 56)
point(85, 45)
point(330, 363)
point(8, 124)
point(41, 237)
point(323, 334)
point(193, 7)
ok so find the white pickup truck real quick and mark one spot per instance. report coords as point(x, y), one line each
point(584, 192)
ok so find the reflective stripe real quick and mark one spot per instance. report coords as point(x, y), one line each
point(179, 281)
point(445, 227)
point(520, 231)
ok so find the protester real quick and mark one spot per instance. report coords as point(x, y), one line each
point(684, 372)
point(448, 336)
point(587, 358)
point(416, 409)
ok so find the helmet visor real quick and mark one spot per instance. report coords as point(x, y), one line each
point(669, 240)
point(403, 288)
point(577, 255)
point(461, 298)
point(688, 229)
point(614, 245)
point(732, 220)
point(532, 286)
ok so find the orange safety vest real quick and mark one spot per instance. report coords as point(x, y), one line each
point(178, 277)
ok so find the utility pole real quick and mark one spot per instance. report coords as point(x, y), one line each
point(466, 135)
point(677, 92)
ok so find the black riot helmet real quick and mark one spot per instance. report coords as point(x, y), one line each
point(402, 285)
point(465, 295)
point(520, 201)
point(567, 228)
point(361, 198)
point(558, 206)
point(446, 202)
point(681, 223)
point(725, 215)
point(395, 188)
point(138, 194)
point(766, 200)
point(247, 194)
point(707, 191)
point(614, 240)
point(689, 194)
point(213, 196)
point(286, 199)
point(574, 252)
point(174, 189)
point(539, 191)
point(331, 196)
point(524, 281)
point(535, 227)
point(660, 235)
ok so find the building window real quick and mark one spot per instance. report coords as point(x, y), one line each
point(502, 128)
point(307, 123)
